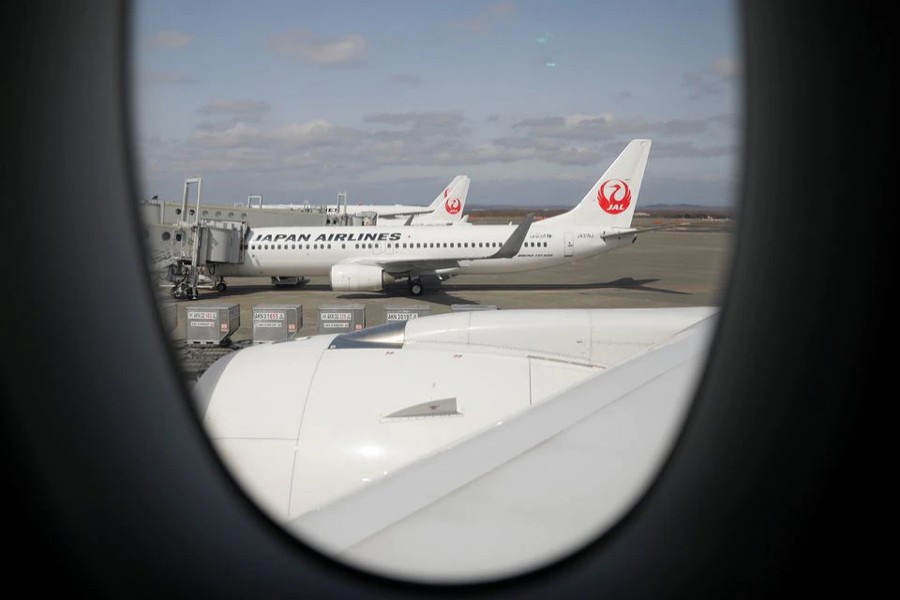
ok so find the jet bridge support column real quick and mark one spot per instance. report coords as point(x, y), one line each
point(198, 237)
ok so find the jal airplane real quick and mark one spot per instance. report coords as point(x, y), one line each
point(446, 209)
point(370, 258)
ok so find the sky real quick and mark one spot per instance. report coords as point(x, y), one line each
point(388, 101)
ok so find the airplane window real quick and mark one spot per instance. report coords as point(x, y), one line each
point(563, 95)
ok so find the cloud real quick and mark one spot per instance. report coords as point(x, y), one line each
point(700, 85)
point(605, 126)
point(484, 21)
point(405, 79)
point(663, 149)
point(319, 153)
point(163, 77)
point(251, 110)
point(301, 45)
point(229, 135)
point(711, 82)
point(423, 123)
point(726, 67)
point(515, 148)
point(170, 40)
point(315, 133)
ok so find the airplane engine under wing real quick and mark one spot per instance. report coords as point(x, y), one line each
point(313, 427)
point(359, 278)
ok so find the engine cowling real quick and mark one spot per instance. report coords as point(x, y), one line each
point(359, 278)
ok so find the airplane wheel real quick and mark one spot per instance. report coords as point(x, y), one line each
point(415, 288)
point(221, 286)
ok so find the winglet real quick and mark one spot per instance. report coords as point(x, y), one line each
point(512, 245)
point(409, 220)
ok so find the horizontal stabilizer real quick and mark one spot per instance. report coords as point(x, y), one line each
point(615, 232)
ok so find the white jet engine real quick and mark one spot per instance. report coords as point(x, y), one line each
point(359, 278)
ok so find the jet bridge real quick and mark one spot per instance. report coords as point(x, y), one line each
point(205, 244)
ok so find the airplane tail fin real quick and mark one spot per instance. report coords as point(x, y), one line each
point(448, 206)
point(612, 200)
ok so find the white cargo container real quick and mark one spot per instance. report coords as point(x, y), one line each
point(341, 318)
point(211, 325)
point(276, 322)
point(405, 313)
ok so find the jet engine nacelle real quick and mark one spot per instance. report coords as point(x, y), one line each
point(359, 278)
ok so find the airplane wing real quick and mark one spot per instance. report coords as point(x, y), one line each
point(470, 445)
point(403, 212)
point(430, 264)
point(528, 488)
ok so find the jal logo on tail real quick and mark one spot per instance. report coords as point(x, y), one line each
point(453, 205)
point(614, 196)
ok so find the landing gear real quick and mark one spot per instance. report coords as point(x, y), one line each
point(415, 286)
point(221, 285)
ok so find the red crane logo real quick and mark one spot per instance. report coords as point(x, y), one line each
point(453, 205)
point(614, 196)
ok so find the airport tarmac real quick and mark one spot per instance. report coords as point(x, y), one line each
point(685, 266)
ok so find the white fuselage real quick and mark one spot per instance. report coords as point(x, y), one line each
point(382, 210)
point(310, 251)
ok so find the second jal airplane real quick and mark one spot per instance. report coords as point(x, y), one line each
point(370, 258)
point(446, 209)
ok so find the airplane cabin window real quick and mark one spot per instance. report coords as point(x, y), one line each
point(454, 417)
